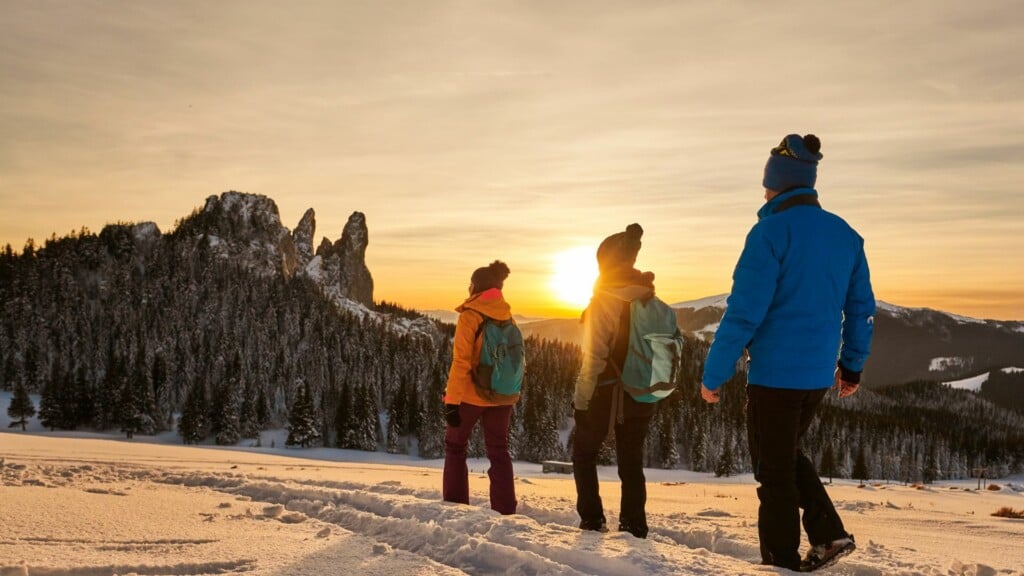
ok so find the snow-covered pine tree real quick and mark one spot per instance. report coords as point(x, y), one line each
point(230, 431)
point(85, 408)
point(193, 424)
point(248, 417)
point(828, 462)
point(365, 422)
point(432, 425)
point(343, 417)
point(109, 392)
point(303, 429)
point(726, 464)
point(668, 454)
point(51, 409)
point(397, 421)
point(860, 465)
point(21, 408)
point(129, 411)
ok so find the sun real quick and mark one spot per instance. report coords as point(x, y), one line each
point(573, 276)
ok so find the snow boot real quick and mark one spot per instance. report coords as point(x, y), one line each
point(824, 555)
point(595, 525)
point(640, 531)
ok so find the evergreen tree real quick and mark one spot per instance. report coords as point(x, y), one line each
point(160, 389)
point(343, 418)
point(432, 426)
point(193, 423)
point(393, 442)
point(21, 407)
point(669, 454)
point(860, 465)
point(248, 416)
point(230, 431)
point(262, 409)
point(726, 465)
point(129, 412)
point(396, 416)
point(84, 406)
point(137, 404)
point(930, 471)
point(302, 425)
point(109, 393)
point(828, 462)
point(366, 424)
point(50, 408)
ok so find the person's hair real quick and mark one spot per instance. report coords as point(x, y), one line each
point(491, 276)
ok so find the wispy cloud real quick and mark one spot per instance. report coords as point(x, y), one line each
point(465, 129)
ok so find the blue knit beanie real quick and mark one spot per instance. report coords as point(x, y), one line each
point(793, 163)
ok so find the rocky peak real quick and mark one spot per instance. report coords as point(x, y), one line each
point(344, 262)
point(247, 228)
point(302, 237)
point(239, 214)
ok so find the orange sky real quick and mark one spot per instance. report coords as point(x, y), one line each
point(469, 131)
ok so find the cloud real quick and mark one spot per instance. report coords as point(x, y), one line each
point(461, 126)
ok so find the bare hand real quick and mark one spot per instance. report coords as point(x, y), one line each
point(709, 396)
point(845, 388)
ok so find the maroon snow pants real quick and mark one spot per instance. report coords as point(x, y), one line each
point(495, 420)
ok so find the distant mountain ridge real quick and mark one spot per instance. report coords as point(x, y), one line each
point(909, 343)
point(231, 324)
point(451, 316)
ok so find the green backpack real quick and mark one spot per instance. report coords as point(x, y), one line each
point(655, 348)
point(502, 361)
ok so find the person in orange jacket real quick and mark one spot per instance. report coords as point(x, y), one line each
point(465, 403)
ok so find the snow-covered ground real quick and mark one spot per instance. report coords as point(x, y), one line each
point(88, 506)
point(974, 383)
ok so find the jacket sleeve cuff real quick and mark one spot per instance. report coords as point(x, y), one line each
point(848, 375)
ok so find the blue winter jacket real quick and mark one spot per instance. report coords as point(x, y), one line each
point(801, 285)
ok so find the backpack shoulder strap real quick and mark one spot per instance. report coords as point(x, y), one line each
point(620, 341)
point(483, 322)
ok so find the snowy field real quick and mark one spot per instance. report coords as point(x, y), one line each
point(85, 506)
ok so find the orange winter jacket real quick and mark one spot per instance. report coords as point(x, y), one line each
point(466, 350)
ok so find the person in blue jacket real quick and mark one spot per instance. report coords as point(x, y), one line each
point(801, 295)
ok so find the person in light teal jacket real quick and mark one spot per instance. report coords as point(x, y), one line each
point(802, 307)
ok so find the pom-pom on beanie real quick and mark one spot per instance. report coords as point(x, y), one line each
point(793, 163)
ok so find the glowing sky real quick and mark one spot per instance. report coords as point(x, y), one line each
point(474, 130)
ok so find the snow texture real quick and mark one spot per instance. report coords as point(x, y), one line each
point(973, 383)
point(940, 364)
point(906, 312)
point(83, 506)
point(709, 302)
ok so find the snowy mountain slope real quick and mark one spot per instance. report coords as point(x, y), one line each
point(909, 343)
point(451, 316)
point(79, 506)
point(974, 383)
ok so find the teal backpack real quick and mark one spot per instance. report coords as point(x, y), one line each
point(502, 361)
point(655, 349)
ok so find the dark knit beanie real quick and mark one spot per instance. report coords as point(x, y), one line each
point(492, 276)
point(793, 163)
point(619, 250)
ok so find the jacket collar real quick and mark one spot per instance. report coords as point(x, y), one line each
point(775, 205)
point(490, 303)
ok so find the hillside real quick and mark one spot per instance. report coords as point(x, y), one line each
point(909, 343)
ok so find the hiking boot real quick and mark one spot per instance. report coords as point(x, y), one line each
point(598, 525)
point(635, 530)
point(824, 555)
